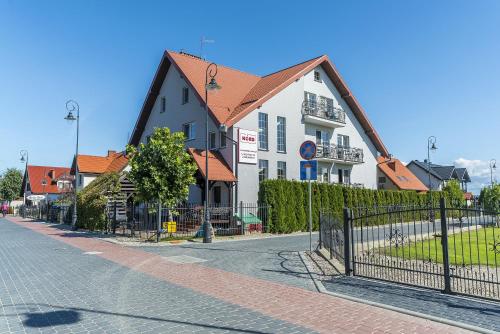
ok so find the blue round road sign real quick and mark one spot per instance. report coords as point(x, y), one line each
point(308, 150)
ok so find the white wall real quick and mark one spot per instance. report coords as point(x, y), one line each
point(288, 103)
point(423, 176)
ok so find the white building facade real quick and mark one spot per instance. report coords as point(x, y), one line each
point(308, 101)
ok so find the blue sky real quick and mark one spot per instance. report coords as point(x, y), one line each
point(419, 68)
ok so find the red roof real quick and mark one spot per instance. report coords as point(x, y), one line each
point(40, 175)
point(401, 176)
point(243, 92)
point(217, 168)
point(113, 162)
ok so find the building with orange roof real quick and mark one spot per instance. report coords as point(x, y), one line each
point(46, 181)
point(393, 175)
point(91, 166)
point(257, 123)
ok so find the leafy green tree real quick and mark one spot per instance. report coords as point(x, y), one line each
point(162, 169)
point(490, 198)
point(453, 193)
point(10, 184)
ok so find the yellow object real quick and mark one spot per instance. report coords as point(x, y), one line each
point(171, 227)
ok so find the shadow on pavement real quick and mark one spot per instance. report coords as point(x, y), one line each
point(53, 318)
point(69, 315)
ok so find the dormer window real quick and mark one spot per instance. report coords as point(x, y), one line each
point(317, 76)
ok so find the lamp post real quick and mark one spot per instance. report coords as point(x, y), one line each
point(24, 159)
point(209, 86)
point(71, 106)
point(431, 146)
point(493, 165)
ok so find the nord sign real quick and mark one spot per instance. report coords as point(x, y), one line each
point(247, 146)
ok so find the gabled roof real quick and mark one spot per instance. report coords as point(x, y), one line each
point(424, 166)
point(217, 168)
point(401, 176)
point(461, 174)
point(93, 164)
point(446, 172)
point(43, 179)
point(243, 92)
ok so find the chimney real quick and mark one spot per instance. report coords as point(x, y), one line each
point(392, 165)
point(110, 153)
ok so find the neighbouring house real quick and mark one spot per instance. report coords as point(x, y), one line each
point(257, 124)
point(46, 182)
point(393, 175)
point(439, 174)
point(91, 166)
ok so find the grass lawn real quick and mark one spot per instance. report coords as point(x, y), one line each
point(468, 247)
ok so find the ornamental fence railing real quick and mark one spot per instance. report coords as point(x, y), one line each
point(449, 248)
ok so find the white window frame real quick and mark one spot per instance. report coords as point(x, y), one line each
point(281, 134)
point(318, 79)
point(343, 141)
point(263, 133)
point(281, 166)
point(264, 169)
point(191, 130)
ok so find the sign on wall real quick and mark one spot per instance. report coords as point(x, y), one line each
point(247, 146)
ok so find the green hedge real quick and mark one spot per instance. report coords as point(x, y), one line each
point(289, 204)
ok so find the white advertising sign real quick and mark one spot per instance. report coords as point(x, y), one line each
point(35, 198)
point(247, 146)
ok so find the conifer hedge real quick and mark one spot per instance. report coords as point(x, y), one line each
point(288, 202)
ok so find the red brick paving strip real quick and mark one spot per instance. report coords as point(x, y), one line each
point(313, 310)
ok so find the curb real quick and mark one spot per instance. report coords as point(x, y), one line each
point(321, 289)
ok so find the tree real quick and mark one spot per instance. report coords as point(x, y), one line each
point(162, 169)
point(490, 198)
point(10, 184)
point(453, 192)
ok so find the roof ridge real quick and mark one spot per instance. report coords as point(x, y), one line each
point(48, 166)
point(209, 62)
point(289, 67)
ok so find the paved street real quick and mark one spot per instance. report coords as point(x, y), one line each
point(53, 280)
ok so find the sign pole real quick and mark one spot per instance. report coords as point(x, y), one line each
point(310, 217)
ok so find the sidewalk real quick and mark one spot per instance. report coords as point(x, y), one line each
point(470, 311)
point(311, 310)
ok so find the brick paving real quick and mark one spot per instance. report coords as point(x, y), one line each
point(51, 276)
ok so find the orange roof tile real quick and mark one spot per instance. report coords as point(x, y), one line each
point(48, 175)
point(217, 168)
point(401, 176)
point(113, 162)
point(243, 92)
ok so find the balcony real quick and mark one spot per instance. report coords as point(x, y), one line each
point(323, 114)
point(334, 153)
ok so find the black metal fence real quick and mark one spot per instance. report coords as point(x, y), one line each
point(51, 213)
point(457, 252)
point(187, 220)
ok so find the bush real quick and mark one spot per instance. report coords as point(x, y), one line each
point(92, 201)
point(490, 198)
point(288, 202)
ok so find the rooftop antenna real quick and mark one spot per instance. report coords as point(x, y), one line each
point(203, 41)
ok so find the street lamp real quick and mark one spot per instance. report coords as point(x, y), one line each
point(431, 146)
point(24, 159)
point(493, 165)
point(209, 86)
point(71, 106)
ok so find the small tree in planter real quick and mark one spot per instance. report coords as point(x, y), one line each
point(161, 169)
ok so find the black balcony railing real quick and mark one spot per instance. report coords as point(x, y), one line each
point(324, 111)
point(334, 152)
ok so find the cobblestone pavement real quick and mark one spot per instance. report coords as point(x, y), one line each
point(274, 259)
point(472, 311)
point(58, 281)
